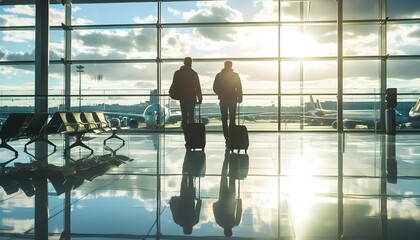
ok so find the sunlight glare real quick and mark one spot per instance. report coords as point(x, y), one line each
point(300, 189)
point(299, 44)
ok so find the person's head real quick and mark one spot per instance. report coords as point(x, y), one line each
point(188, 61)
point(228, 64)
point(228, 232)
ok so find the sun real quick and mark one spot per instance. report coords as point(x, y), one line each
point(299, 44)
point(294, 42)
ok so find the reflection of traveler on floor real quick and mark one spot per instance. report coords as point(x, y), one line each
point(185, 211)
point(228, 209)
point(187, 85)
point(228, 87)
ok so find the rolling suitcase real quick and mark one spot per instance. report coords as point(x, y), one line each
point(238, 136)
point(196, 133)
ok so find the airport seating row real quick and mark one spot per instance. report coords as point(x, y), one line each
point(37, 127)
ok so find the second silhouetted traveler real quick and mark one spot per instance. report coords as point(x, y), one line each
point(228, 87)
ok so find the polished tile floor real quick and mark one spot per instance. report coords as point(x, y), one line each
point(287, 186)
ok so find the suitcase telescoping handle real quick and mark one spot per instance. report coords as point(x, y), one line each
point(239, 112)
point(199, 111)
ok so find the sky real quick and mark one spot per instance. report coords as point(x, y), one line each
point(261, 42)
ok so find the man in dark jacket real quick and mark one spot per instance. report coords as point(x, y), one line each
point(187, 85)
point(228, 87)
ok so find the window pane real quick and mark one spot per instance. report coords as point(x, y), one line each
point(361, 40)
point(308, 10)
point(366, 9)
point(309, 77)
point(17, 15)
point(57, 14)
point(56, 79)
point(308, 41)
point(361, 76)
point(220, 42)
point(403, 39)
point(17, 45)
point(57, 42)
point(403, 75)
point(219, 11)
point(17, 79)
point(114, 44)
point(403, 9)
point(114, 13)
point(118, 78)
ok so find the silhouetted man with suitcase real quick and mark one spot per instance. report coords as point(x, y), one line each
point(228, 87)
point(186, 84)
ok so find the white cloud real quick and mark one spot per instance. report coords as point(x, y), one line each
point(148, 19)
point(19, 36)
point(22, 10)
point(14, 20)
point(174, 11)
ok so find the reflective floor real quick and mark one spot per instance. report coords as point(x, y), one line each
point(287, 186)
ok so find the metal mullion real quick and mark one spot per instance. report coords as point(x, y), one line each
point(383, 62)
point(340, 66)
point(279, 85)
point(113, 26)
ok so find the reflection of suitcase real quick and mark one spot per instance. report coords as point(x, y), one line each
point(238, 166)
point(239, 137)
point(196, 133)
point(194, 163)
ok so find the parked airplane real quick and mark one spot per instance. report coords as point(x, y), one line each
point(414, 115)
point(351, 118)
point(154, 115)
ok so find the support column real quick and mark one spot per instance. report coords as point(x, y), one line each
point(42, 30)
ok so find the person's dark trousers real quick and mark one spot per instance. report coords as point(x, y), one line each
point(227, 110)
point(187, 111)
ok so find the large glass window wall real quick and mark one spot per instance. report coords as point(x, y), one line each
point(286, 52)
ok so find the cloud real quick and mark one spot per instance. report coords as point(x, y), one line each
point(2, 54)
point(214, 12)
point(403, 39)
point(127, 43)
point(174, 11)
point(415, 34)
point(21, 10)
point(109, 39)
point(148, 19)
point(19, 36)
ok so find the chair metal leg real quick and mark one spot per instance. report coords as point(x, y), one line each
point(41, 139)
point(114, 135)
point(7, 146)
point(78, 142)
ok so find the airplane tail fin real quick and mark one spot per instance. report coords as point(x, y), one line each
point(318, 104)
point(312, 105)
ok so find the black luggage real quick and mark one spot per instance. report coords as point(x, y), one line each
point(196, 133)
point(238, 136)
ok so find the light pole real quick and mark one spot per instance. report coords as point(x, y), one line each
point(80, 70)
